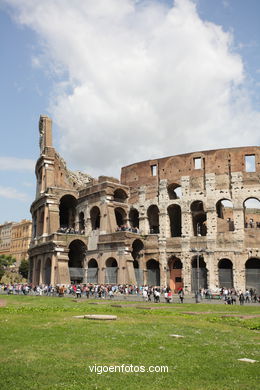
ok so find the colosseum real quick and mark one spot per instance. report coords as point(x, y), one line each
point(191, 220)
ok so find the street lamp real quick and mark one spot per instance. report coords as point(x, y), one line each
point(198, 251)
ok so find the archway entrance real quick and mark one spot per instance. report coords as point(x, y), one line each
point(134, 218)
point(77, 252)
point(47, 272)
point(92, 275)
point(111, 271)
point(199, 275)
point(95, 218)
point(67, 211)
point(252, 268)
point(175, 268)
point(199, 218)
point(153, 218)
point(153, 272)
point(137, 248)
point(37, 272)
point(225, 273)
point(174, 213)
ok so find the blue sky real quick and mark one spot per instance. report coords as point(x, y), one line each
point(109, 76)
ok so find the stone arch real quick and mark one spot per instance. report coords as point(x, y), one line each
point(137, 247)
point(67, 211)
point(199, 274)
point(225, 273)
point(174, 191)
point(199, 218)
point(121, 216)
point(174, 213)
point(47, 272)
point(153, 272)
point(134, 218)
point(252, 213)
point(111, 271)
point(175, 268)
point(252, 274)
point(225, 217)
point(120, 195)
point(92, 274)
point(77, 253)
point(153, 218)
point(95, 218)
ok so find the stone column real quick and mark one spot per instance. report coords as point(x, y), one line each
point(163, 262)
point(101, 269)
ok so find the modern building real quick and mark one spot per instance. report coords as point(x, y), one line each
point(185, 221)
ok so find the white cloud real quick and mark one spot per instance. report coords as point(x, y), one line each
point(141, 80)
point(16, 164)
point(12, 193)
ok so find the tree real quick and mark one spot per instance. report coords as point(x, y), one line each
point(24, 268)
point(5, 262)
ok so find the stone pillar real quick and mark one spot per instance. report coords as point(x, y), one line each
point(163, 221)
point(101, 269)
point(210, 264)
point(187, 227)
point(239, 273)
point(163, 262)
point(143, 219)
point(130, 271)
point(186, 271)
point(53, 269)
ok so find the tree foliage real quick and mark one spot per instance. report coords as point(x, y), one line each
point(24, 268)
point(5, 262)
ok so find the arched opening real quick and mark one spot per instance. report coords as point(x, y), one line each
point(37, 272)
point(137, 247)
point(252, 268)
point(47, 272)
point(111, 271)
point(67, 211)
point(92, 275)
point(153, 272)
point(199, 274)
point(225, 221)
point(41, 222)
point(120, 195)
point(34, 226)
point(252, 213)
point(121, 216)
point(134, 218)
point(95, 218)
point(175, 268)
point(174, 191)
point(77, 253)
point(225, 273)
point(199, 218)
point(81, 222)
point(153, 218)
point(174, 213)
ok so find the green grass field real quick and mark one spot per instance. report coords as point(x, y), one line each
point(44, 347)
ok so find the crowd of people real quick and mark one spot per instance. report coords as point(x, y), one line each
point(147, 293)
point(125, 228)
point(70, 230)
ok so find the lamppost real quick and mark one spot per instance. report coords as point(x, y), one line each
point(198, 251)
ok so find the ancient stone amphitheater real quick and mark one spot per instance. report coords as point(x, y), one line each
point(191, 220)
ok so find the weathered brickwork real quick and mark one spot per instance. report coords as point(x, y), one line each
point(188, 220)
